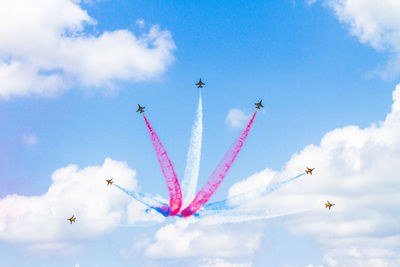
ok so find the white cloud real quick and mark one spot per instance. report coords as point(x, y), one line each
point(375, 23)
point(140, 23)
point(29, 139)
point(237, 118)
point(357, 169)
point(185, 238)
point(41, 223)
point(44, 50)
point(138, 214)
point(222, 263)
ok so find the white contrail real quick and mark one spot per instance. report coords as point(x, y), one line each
point(189, 182)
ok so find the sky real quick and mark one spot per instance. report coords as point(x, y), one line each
point(72, 73)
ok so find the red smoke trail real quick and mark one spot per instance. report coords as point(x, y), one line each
point(167, 169)
point(219, 174)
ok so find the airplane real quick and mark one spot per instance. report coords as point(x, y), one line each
point(328, 205)
point(258, 105)
point(72, 219)
point(109, 181)
point(309, 171)
point(200, 84)
point(140, 109)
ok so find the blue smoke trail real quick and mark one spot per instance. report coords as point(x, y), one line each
point(248, 196)
point(147, 200)
point(189, 182)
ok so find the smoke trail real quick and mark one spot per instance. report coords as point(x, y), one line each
point(167, 169)
point(240, 199)
point(150, 202)
point(219, 173)
point(189, 182)
point(240, 215)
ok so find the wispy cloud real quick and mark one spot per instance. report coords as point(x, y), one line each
point(222, 263)
point(29, 139)
point(237, 118)
point(140, 23)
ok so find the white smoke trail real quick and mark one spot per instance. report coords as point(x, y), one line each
point(234, 201)
point(241, 215)
point(189, 182)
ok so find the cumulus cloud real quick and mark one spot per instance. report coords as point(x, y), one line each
point(41, 223)
point(237, 118)
point(185, 239)
point(29, 139)
point(357, 169)
point(45, 50)
point(375, 23)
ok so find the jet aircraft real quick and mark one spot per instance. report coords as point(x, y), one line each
point(140, 109)
point(309, 171)
point(259, 105)
point(200, 84)
point(328, 205)
point(109, 182)
point(72, 219)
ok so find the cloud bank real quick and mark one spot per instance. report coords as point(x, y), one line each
point(197, 240)
point(357, 169)
point(41, 221)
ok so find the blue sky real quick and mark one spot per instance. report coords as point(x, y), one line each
point(69, 93)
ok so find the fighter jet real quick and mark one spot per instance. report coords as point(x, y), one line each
point(309, 171)
point(109, 182)
point(72, 219)
point(328, 205)
point(140, 109)
point(259, 105)
point(200, 84)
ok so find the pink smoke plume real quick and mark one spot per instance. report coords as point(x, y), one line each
point(167, 169)
point(219, 173)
